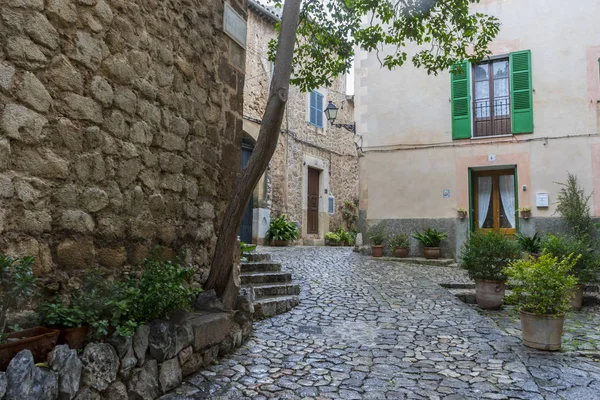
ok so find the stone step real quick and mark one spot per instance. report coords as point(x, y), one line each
point(440, 262)
point(278, 289)
point(261, 266)
point(468, 296)
point(270, 306)
point(265, 277)
point(255, 257)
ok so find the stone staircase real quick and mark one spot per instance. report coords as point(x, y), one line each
point(274, 291)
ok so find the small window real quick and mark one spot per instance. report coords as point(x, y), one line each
point(316, 109)
point(331, 205)
point(491, 98)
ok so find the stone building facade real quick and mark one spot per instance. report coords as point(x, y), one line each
point(120, 124)
point(329, 150)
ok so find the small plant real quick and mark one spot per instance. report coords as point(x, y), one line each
point(57, 314)
point(377, 236)
point(18, 284)
point(430, 237)
point(531, 245)
point(245, 249)
point(461, 210)
point(543, 286)
point(566, 247)
point(399, 241)
point(573, 205)
point(524, 209)
point(349, 214)
point(281, 230)
point(333, 239)
point(486, 255)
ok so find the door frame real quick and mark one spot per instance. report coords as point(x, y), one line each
point(474, 172)
point(318, 172)
point(323, 166)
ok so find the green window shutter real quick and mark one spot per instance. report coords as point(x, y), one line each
point(521, 99)
point(461, 101)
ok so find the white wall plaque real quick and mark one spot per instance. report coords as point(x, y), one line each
point(234, 25)
point(541, 200)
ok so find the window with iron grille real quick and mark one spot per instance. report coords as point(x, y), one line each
point(491, 98)
point(316, 109)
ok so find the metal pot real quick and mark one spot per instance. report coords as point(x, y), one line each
point(431, 252)
point(541, 331)
point(489, 293)
point(577, 301)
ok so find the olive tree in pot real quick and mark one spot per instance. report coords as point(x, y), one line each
point(399, 245)
point(586, 265)
point(485, 256)
point(377, 236)
point(431, 239)
point(543, 290)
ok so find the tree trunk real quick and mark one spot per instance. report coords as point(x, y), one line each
point(222, 263)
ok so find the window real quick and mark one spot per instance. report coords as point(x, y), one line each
point(491, 99)
point(495, 201)
point(316, 109)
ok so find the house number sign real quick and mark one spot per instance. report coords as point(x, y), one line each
point(446, 193)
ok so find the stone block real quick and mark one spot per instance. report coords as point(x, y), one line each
point(210, 329)
point(77, 221)
point(91, 167)
point(185, 354)
point(33, 93)
point(127, 171)
point(66, 364)
point(119, 70)
point(34, 222)
point(110, 227)
point(101, 91)
point(170, 162)
point(5, 154)
point(25, 53)
point(115, 124)
point(75, 254)
point(103, 12)
point(24, 381)
point(23, 124)
point(94, 199)
point(31, 4)
point(64, 75)
point(116, 391)
point(41, 31)
point(112, 258)
point(169, 375)
point(42, 162)
point(172, 182)
point(140, 343)
point(7, 73)
point(100, 365)
point(80, 107)
point(126, 100)
point(87, 393)
point(63, 10)
point(144, 382)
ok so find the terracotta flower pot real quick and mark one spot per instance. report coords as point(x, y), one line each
point(431, 252)
point(462, 214)
point(40, 341)
point(377, 250)
point(525, 214)
point(489, 293)
point(279, 243)
point(401, 252)
point(542, 332)
point(74, 337)
point(577, 301)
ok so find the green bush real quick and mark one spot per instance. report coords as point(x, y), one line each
point(532, 245)
point(399, 241)
point(564, 247)
point(340, 237)
point(573, 205)
point(17, 285)
point(486, 255)
point(333, 239)
point(282, 230)
point(245, 249)
point(543, 286)
point(430, 237)
point(377, 236)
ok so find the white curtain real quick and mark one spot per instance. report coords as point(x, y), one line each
point(507, 194)
point(484, 194)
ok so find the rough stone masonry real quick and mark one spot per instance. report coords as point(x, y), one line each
point(120, 124)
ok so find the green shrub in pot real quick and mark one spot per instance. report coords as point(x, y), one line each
point(378, 237)
point(485, 256)
point(531, 245)
point(543, 291)
point(281, 231)
point(431, 240)
point(399, 244)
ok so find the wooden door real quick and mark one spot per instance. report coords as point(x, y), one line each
point(494, 194)
point(312, 213)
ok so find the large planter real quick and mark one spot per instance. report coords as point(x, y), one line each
point(377, 250)
point(489, 293)
point(577, 301)
point(401, 253)
point(279, 243)
point(542, 332)
point(40, 341)
point(431, 252)
point(74, 337)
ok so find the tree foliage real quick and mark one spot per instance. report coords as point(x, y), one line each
point(444, 31)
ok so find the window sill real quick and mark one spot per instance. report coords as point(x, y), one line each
point(491, 137)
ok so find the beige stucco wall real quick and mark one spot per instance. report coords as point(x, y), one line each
point(401, 111)
point(301, 144)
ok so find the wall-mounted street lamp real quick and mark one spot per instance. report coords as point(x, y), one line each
point(331, 114)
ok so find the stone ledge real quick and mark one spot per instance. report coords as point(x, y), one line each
point(440, 262)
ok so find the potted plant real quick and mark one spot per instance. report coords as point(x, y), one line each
point(485, 256)
point(530, 245)
point(281, 232)
point(399, 244)
point(18, 285)
point(332, 239)
point(462, 212)
point(543, 293)
point(431, 239)
point(586, 264)
point(72, 322)
point(525, 212)
point(377, 237)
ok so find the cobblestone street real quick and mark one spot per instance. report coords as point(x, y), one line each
point(380, 330)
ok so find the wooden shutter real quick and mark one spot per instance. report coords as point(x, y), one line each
point(319, 110)
point(461, 101)
point(521, 99)
point(313, 108)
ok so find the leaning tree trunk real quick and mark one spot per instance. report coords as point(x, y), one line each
point(221, 267)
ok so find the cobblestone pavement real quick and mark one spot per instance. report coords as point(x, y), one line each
point(378, 330)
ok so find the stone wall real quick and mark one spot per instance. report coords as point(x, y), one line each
point(120, 123)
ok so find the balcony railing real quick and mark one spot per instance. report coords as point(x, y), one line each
point(491, 118)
